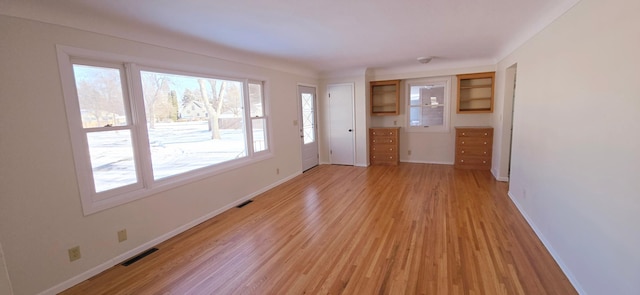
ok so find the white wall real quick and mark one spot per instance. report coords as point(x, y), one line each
point(5, 283)
point(576, 162)
point(40, 212)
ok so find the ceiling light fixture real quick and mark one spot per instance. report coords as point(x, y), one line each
point(425, 60)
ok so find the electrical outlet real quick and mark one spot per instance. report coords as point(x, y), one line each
point(278, 171)
point(122, 235)
point(74, 253)
point(409, 152)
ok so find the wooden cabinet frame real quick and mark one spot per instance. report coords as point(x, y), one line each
point(385, 98)
point(475, 93)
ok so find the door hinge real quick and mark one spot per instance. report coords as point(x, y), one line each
point(329, 95)
point(330, 152)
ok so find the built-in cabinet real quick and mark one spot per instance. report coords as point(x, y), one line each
point(475, 93)
point(383, 146)
point(385, 98)
point(473, 147)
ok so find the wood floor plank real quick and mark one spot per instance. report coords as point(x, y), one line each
point(406, 229)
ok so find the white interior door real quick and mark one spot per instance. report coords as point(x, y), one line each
point(308, 124)
point(342, 133)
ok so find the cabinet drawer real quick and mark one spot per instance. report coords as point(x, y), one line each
point(481, 133)
point(473, 162)
point(384, 140)
point(383, 148)
point(384, 132)
point(389, 159)
point(473, 141)
point(473, 151)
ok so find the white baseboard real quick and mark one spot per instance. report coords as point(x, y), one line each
point(547, 245)
point(499, 178)
point(133, 252)
point(426, 162)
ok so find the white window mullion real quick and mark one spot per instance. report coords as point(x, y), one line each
point(138, 116)
point(248, 125)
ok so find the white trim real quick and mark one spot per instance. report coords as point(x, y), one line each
point(353, 121)
point(426, 162)
point(154, 242)
point(499, 178)
point(300, 126)
point(547, 245)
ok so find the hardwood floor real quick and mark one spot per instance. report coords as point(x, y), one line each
point(407, 229)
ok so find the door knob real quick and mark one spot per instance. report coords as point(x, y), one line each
point(350, 130)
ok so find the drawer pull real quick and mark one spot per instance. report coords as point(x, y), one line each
point(485, 153)
point(374, 157)
point(391, 149)
point(374, 140)
point(461, 161)
point(374, 133)
point(463, 133)
point(463, 142)
point(485, 134)
point(391, 140)
point(390, 158)
point(484, 162)
point(485, 142)
point(462, 152)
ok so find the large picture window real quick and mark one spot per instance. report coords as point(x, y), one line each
point(137, 130)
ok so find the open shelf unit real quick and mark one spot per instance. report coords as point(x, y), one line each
point(475, 93)
point(385, 97)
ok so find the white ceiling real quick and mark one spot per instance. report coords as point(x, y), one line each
point(326, 35)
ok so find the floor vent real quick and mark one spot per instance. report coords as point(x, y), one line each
point(139, 256)
point(244, 204)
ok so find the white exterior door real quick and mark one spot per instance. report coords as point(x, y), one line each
point(342, 133)
point(308, 124)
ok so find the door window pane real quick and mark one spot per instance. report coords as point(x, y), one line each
point(308, 118)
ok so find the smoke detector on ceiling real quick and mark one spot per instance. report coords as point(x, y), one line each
point(424, 60)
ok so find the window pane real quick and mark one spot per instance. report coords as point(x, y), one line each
point(112, 159)
point(308, 118)
point(414, 97)
point(426, 104)
point(255, 98)
point(259, 134)
point(193, 122)
point(100, 96)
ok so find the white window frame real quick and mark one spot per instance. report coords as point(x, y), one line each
point(444, 128)
point(93, 202)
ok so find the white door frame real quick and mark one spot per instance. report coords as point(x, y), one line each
point(353, 123)
point(317, 123)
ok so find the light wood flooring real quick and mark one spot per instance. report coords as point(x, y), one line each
point(410, 229)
